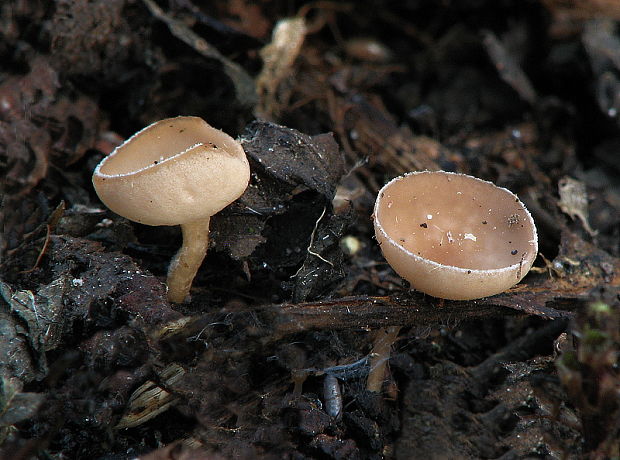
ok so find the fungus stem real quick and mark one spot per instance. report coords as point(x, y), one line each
point(379, 357)
point(187, 261)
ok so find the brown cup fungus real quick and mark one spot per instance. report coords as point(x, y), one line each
point(177, 171)
point(454, 236)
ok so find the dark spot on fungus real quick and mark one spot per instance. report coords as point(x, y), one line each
point(514, 252)
point(155, 162)
point(513, 219)
point(402, 240)
point(468, 272)
point(424, 225)
point(181, 130)
point(484, 222)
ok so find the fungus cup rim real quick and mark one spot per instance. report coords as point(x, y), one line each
point(119, 149)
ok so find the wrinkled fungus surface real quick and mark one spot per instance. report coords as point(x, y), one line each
point(454, 236)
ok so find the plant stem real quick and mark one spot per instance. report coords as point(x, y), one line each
point(187, 261)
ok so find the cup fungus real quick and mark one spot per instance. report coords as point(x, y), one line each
point(454, 236)
point(177, 171)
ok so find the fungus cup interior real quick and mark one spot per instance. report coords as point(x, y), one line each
point(454, 236)
point(177, 171)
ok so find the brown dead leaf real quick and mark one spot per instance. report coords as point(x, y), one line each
point(278, 58)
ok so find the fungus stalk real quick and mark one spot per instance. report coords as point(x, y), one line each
point(187, 261)
point(379, 357)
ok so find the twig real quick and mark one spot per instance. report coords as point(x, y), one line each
point(41, 252)
point(309, 248)
point(312, 235)
point(244, 84)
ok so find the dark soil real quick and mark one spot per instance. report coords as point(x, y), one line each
point(270, 357)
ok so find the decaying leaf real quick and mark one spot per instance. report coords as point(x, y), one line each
point(509, 70)
point(278, 57)
point(37, 317)
point(271, 226)
point(574, 201)
point(151, 399)
point(15, 405)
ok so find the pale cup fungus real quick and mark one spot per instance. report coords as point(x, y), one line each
point(454, 236)
point(177, 171)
